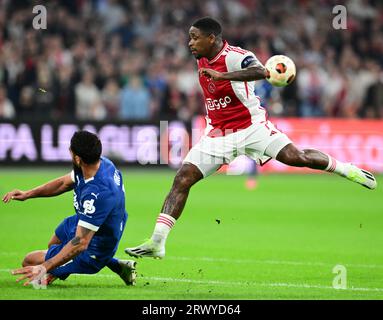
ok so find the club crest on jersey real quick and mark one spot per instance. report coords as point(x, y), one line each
point(88, 206)
point(211, 87)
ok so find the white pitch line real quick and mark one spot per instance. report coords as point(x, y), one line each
point(276, 262)
point(261, 284)
point(245, 283)
point(232, 283)
point(255, 261)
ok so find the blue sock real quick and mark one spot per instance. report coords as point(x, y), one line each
point(114, 265)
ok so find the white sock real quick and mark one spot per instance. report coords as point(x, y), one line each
point(335, 166)
point(163, 226)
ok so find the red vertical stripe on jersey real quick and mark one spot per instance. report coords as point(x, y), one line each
point(247, 90)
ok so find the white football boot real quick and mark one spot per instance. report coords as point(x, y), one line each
point(148, 249)
point(363, 177)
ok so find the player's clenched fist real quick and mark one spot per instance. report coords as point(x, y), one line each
point(15, 195)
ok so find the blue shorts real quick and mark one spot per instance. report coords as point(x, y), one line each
point(82, 263)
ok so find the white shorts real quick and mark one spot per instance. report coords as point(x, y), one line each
point(260, 142)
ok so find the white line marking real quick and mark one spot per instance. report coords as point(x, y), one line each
point(255, 261)
point(242, 283)
point(276, 262)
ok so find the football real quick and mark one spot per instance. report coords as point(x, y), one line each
point(281, 70)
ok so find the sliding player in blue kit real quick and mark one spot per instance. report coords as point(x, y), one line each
point(87, 241)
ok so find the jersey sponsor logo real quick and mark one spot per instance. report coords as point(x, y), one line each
point(247, 61)
point(217, 104)
point(88, 206)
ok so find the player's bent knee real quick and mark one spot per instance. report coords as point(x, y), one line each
point(28, 260)
point(183, 182)
point(186, 177)
point(34, 258)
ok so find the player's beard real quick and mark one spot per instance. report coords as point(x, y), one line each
point(76, 169)
point(196, 56)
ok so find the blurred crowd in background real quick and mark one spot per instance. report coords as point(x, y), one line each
point(129, 60)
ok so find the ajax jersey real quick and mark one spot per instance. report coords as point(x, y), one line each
point(230, 105)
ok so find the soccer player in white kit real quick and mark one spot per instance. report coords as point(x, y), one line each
point(236, 125)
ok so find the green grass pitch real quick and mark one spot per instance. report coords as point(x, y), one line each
point(280, 241)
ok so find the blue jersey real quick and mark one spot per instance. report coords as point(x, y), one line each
point(100, 206)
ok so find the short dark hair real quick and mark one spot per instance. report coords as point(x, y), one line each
point(87, 146)
point(208, 26)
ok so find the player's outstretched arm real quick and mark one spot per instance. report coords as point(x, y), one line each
point(252, 73)
point(49, 189)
